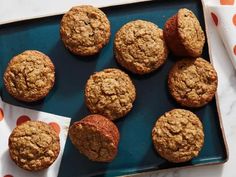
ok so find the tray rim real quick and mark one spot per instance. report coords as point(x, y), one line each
point(151, 170)
point(204, 9)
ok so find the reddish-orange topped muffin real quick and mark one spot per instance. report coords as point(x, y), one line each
point(184, 35)
point(96, 137)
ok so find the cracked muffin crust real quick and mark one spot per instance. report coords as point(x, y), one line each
point(139, 47)
point(85, 30)
point(192, 82)
point(110, 93)
point(184, 35)
point(29, 76)
point(178, 135)
point(34, 145)
point(96, 137)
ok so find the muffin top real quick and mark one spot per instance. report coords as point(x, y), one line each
point(192, 82)
point(190, 32)
point(85, 30)
point(29, 76)
point(178, 135)
point(140, 47)
point(34, 145)
point(110, 93)
point(96, 137)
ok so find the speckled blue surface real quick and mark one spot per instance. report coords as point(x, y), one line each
point(136, 153)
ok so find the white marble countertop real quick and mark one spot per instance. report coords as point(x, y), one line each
point(10, 9)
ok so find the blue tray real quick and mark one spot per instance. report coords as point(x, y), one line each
point(136, 152)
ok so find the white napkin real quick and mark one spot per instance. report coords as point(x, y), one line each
point(12, 10)
point(223, 19)
point(10, 116)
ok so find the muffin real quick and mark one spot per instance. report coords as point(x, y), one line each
point(110, 93)
point(85, 30)
point(29, 76)
point(184, 35)
point(192, 82)
point(178, 135)
point(139, 47)
point(34, 145)
point(96, 137)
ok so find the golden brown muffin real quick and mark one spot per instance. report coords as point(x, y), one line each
point(110, 93)
point(34, 145)
point(139, 47)
point(29, 76)
point(85, 30)
point(184, 35)
point(178, 135)
point(96, 137)
point(192, 82)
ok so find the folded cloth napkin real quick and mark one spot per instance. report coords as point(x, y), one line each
point(10, 116)
point(222, 15)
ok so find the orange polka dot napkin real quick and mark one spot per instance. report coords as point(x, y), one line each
point(10, 117)
point(221, 15)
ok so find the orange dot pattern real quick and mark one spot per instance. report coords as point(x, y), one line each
point(216, 21)
point(7, 176)
point(234, 19)
point(1, 114)
point(234, 50)
point(22, 119)
point(215, 18)
point(55, 126)
point(227, 2)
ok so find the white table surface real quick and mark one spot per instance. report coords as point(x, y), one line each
point(17, 9)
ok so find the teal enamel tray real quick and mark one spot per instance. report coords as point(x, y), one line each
point(136, 153)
